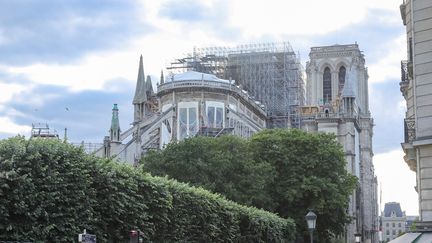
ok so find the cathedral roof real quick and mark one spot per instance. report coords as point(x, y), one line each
point(140, 90)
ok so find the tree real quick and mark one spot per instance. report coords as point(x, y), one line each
point(280, 170)
point(309, 172)
point(221, 165)
point(50, 191)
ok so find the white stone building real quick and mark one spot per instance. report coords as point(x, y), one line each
point(185, 105)
point(393, 221)
point(416, 87)
point(337, 102)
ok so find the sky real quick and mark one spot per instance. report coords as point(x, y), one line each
point(66, 63)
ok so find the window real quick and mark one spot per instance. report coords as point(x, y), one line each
point(399, 225)
point(394, 232)
point(215, 114)
point(342, 72)
point(393, 225)
point(387, 232)
point(327, 97)
point(188, 121)
point(400, 232)
point(387, 224)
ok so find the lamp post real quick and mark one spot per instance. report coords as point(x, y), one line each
point(357, 237)
point(311, 222)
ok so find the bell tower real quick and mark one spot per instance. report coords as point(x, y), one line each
point(338, 102)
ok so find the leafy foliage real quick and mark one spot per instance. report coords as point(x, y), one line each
point(50, 191)
point(309, 173)
point(280, 170)
point(222, 165)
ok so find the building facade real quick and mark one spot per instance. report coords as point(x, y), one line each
point(337, 102)
point(416, 88)
point(185, 105)
point(393, 221)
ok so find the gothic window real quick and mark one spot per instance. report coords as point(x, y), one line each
point(327, 97)
point(342, 72)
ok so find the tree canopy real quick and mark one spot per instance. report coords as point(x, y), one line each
point(50, 191)
point(286, 171)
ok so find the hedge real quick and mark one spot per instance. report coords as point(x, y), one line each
point(50, 191)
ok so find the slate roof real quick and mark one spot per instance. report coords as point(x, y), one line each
point(393, 207)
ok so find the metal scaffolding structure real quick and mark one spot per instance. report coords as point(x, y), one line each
point(270, 72)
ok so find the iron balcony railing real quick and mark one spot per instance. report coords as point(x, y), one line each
point(404, 71)
point(410, 132)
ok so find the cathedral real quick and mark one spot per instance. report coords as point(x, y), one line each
point(338, 102)
point(185, 105)
point(195, 103)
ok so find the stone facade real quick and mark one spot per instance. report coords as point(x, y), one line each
point(416, 87)
point(338, 102)
point(185, 105)
point(393, 221)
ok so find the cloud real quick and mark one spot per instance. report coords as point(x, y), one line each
point(8, 127)
point(90, 74)
point(62, 31)
point(390, 168)
point(185, 10)
point(388, 66)
point(86, 114)
point(385, 99)
point(307, 17)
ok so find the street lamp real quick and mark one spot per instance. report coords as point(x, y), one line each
point(311, 222)
point(357, 237)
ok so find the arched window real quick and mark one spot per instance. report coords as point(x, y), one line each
point(327, 97)
point(342, 72)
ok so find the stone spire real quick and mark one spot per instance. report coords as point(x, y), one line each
point(348, 90)
point(140, 91)
point(348, 97)
point(115, 125)
point(149, 87)
point(162, 79)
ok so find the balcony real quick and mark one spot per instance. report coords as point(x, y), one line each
point(404, 71)
point(410, 132)
point(406, 75)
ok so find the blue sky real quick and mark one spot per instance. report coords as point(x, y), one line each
point(67, 62)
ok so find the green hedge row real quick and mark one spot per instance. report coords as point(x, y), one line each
point(50, 191)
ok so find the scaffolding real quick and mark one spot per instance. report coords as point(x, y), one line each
point(42, 130)
point(270, 72)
